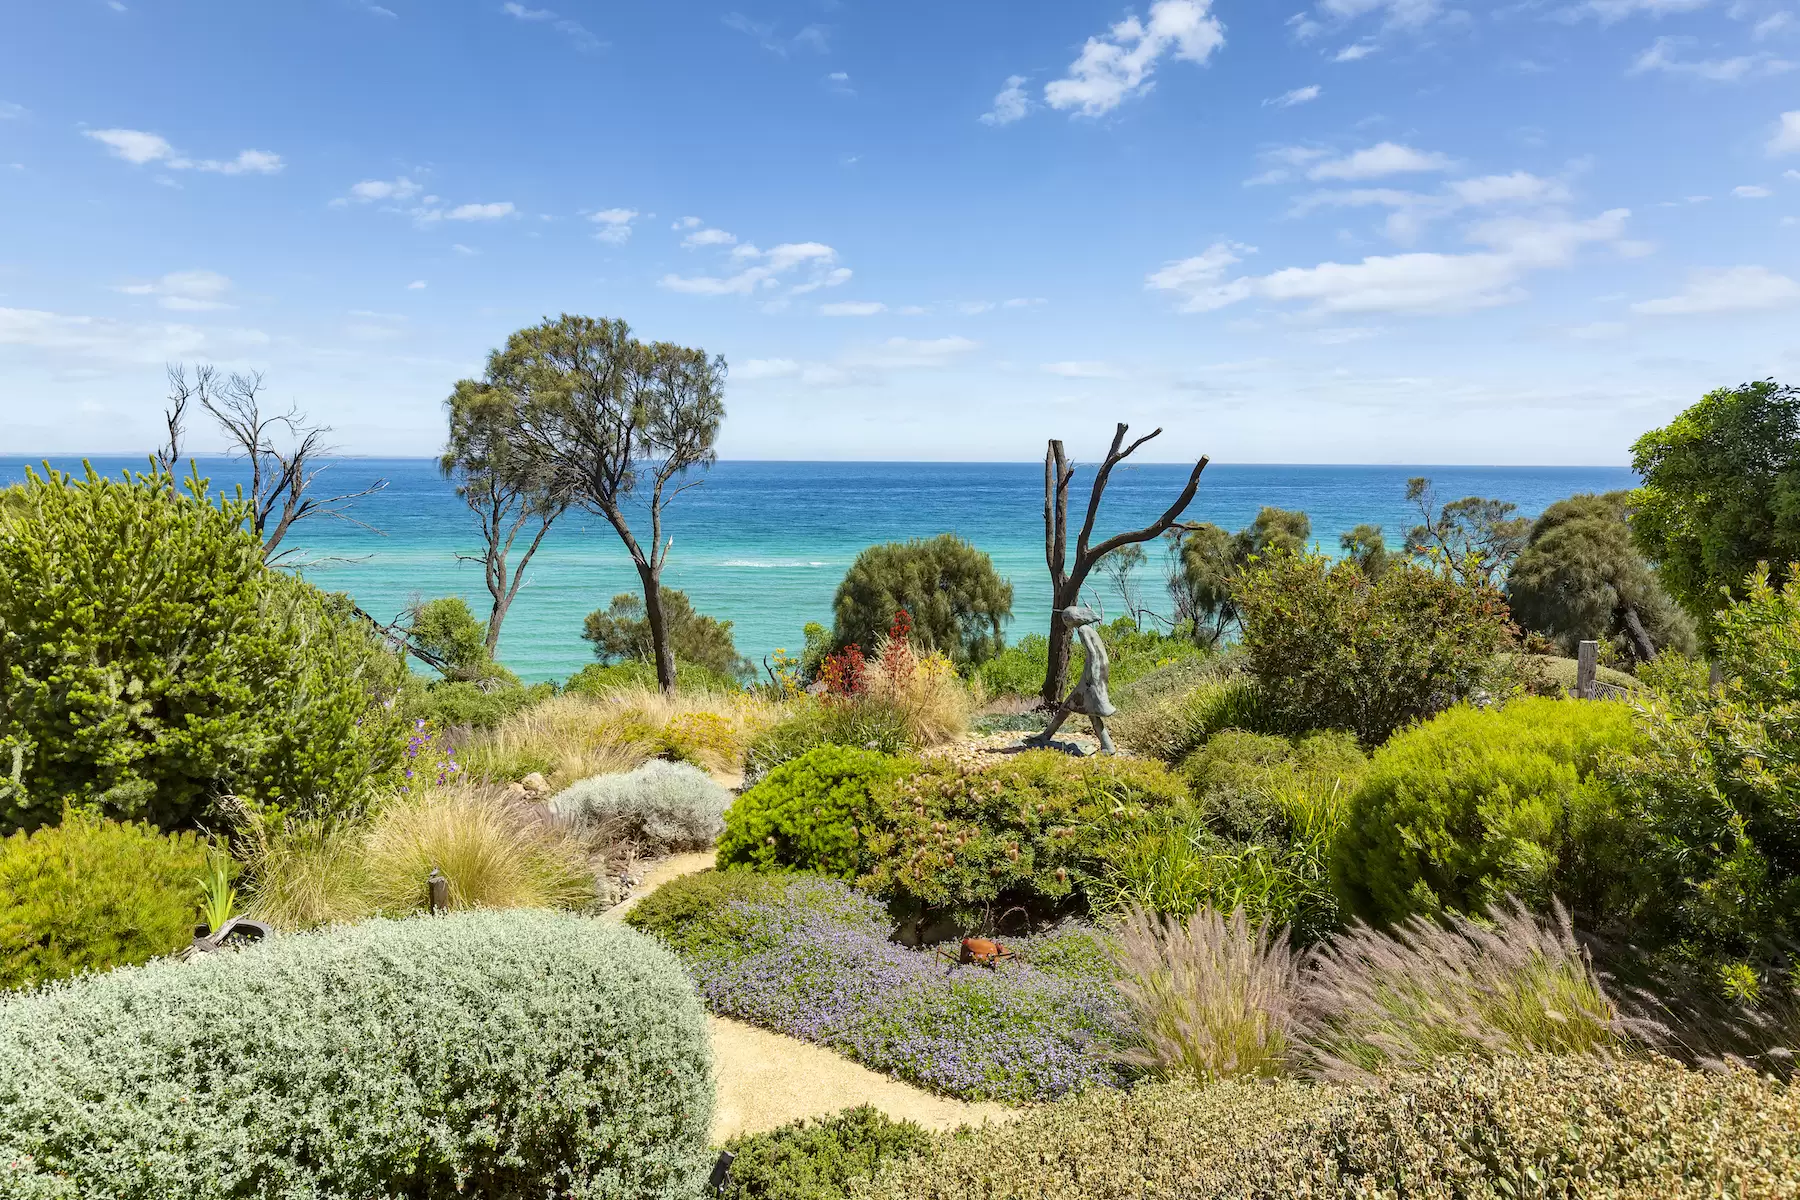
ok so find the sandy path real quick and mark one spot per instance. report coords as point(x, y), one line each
point(769, 1079)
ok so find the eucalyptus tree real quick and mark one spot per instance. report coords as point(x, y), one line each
point(616, 424)
point(506, 488)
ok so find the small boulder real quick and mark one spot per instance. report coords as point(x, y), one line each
point(535, 784)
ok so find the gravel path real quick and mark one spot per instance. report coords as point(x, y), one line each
point(769, 1079)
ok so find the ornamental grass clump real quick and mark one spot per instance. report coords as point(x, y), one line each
point(1211, 997)
point(812, 959)
point(1510, 984)
point(482, 1054)
point(660, 807)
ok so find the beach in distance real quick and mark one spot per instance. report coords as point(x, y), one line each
point(765, 544)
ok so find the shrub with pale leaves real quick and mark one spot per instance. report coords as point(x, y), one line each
point(662, 807)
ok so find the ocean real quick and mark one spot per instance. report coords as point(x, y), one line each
point(765, 544)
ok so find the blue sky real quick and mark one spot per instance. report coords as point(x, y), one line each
point(1356, 231)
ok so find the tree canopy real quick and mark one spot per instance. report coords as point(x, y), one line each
point(1212, 562)
point(1721, 494)
point(1474, 540)
point(1581, 578)
point(620, 632)
point(959, 605)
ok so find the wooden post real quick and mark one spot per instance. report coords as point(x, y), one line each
point(1587, 669)
point(439, 889)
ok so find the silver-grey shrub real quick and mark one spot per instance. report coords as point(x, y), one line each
point(496, 1054)
point(662, 806)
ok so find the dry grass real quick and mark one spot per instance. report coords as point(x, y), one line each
point(924, 689)
point(494, 855)
point(576, 736)
point(1212, 998)
point(1510, 984)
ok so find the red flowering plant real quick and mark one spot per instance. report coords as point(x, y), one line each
point(842, 674)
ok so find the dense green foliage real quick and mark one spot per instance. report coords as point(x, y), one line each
point(1367, 548)
point(1026, 832)
point(491, 1054)
point(865, 724)
point(1473, 540)
point(806, 812)
point(91, 895)
point(1721, 493)
point(816, 1160)
point(1331, 648)
point(1478, 803)
point(1179, 709)
point(462, 704)
point(445, 629)
point(1529, 1126)
point(958, 605)
point(150, 662)
point(1716, 785)
point(620, 632)
point(1580, 578)
point(1211, 562)
point(1241, 780)
point(596, 678)
point(682, 913)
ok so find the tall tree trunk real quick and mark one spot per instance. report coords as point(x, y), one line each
point(496, 614)
point(659, 631)
point(1646, 649)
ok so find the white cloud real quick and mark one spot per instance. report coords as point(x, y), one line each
point(765, 270)
point(99, 338)
point(140, 148)
point(10, 111)
point(1083, 370)
point(578, 34)
point(481, 212)
point(1408, 14)
point(687, 223)
point(1402, 283)
point(1786, 139)
point(615, 224)
point(1024, 302)
point(1354, 51)
point(1772, 24)
point(1609, 11)
point(853, 308)
point(417, 285)
point(1412, 212)
point(1751, 191)
point(1520, 187)
point(972, 308)
point(900, 352)
point(1117, 65)
point(1299, 95)
point(1731, 289)
point(1386, 158)
point(709, 237)
point(1010, 103)
point(371, 190)
point(184, 291)
point(1659, 57)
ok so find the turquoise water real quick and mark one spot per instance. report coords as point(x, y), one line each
point(765, 544)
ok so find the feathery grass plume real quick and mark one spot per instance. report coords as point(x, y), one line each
point(1173, 725)
point(1211, 997)
point(301, 873)
point(924, 688)
point(1511, 983)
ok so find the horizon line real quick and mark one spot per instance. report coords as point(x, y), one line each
point(899, 462)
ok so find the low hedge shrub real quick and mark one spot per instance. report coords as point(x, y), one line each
point(491, 1054)
point(91, 894)
point(1026, 832)
point(817, 1160)
point(1478, 803)
point(806, 812)
point(463, 704)
point(661, 806)
point(1526, 1126)
point(1253, 785)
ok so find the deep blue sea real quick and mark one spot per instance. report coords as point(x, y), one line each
point(765, 544)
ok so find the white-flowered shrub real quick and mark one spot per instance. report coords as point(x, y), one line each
point(662, 806)
point(505, 1053)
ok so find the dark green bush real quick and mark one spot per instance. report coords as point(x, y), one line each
point(1534, 1126)
point(816, 1160)
point(864, 723)
point(150, 662)
point(621, 634)
point(91, 895)
point(806, 812)
point(459, 704)
point(682, 913)
point(1715, 784)
point(1332, 649)
point(496, 1053)
point(1478, 803)
point(957, 603)
point(1026, 832)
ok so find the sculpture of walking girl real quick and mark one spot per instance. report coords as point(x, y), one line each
point(1089, 695)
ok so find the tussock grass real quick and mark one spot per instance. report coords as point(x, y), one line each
point(1212, 998)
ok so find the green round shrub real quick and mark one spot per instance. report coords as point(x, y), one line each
point(816, 1160)
point(804, 814)
point(91, 895)
point(1477, 803)
point(499, 1053)
point(150, 661)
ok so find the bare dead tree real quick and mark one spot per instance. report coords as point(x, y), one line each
point(281, 476)
point(174, 417)
point(1066, 580)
